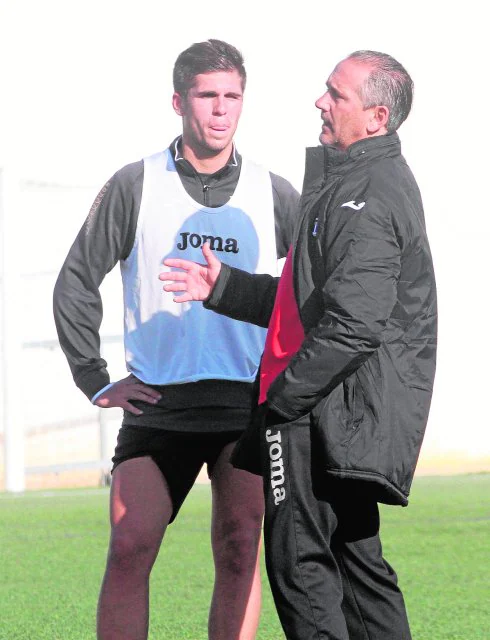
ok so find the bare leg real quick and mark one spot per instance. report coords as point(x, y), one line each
point(238, 507)
point(141, 508)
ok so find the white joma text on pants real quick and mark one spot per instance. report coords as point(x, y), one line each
point(277, 465)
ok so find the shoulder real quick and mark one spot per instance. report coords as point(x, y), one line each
point(281, 185)
point(283, 189)
point(128, 175)
point(125, 185)
point(283, 192)
point(119, 193)
point(385, 180)
point(391, 183)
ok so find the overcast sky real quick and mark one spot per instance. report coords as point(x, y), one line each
point(86, 88)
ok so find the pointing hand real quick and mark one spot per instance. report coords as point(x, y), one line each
point(195, 280)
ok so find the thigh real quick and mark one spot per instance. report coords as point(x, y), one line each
point(238, 502)
point(177, 457)
point(140, 505)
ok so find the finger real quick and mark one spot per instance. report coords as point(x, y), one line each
point(139, 389)
point(178, 286)
point(184, 297)
point(143, 396)
point(209, 256)
point(131, 408)
point(173, 275)
point(146, 393)
point(179, 263)
point(153, 393)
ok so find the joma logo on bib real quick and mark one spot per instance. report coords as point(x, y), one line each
point(277, 465)
point(230, 245)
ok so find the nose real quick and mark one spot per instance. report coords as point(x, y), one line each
point(219, 105)
point(323, 102)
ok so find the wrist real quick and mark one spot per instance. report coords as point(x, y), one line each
point(100, 392)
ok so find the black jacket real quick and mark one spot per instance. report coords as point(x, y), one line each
point(365, 288)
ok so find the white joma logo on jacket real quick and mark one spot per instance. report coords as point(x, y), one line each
point(352, 205)
point(277, 465)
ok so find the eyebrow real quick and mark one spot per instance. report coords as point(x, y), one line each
point(333, 88)
point(213, 92)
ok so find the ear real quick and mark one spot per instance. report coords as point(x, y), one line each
point(378, 120)
point(178, 104)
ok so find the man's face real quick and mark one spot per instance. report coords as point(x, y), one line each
point(210, 111)
point(344, 118)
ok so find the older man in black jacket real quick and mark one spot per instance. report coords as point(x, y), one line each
point(347, 371)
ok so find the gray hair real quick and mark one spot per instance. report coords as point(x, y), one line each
point(388, 84)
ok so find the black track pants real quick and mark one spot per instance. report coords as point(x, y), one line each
point(323, 555)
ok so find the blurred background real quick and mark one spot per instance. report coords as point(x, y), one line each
point(86, 89)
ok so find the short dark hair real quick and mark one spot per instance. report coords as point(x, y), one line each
point(206, 57)
point(388, 84)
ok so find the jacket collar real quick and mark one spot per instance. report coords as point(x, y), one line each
point(323, 160)
point(376, 146)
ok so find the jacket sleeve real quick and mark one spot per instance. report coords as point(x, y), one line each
point(362, 259)
point(106, 237)
point(286, 210)
point(243, 296)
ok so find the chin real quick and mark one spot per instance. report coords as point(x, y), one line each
point(217, 145)
point(325, 138)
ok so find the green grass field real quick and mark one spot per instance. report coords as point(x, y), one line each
point(53, 547)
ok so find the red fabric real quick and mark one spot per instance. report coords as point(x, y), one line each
point(285, 334)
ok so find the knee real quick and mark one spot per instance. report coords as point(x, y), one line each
point(132, 551)
point(236, 547)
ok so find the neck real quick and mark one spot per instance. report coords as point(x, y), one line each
point(206, 161)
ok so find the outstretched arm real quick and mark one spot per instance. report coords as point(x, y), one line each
point(224, 289)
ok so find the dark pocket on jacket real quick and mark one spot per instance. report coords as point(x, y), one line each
point(353, 401)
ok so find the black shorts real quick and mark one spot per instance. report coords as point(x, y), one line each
point(179, 455)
